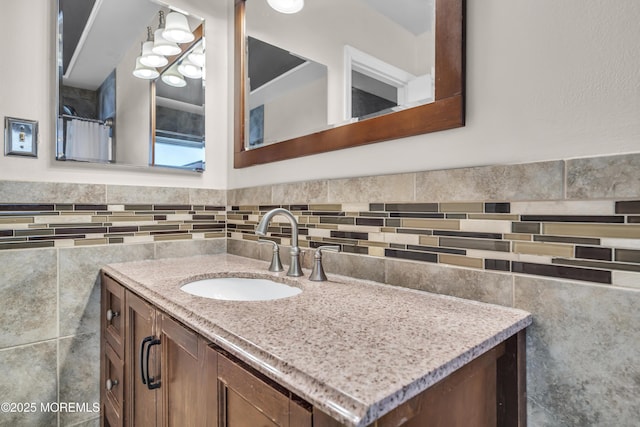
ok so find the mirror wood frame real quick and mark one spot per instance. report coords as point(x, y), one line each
point(446, 112)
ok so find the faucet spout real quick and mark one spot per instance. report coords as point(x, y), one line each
point(294, 266)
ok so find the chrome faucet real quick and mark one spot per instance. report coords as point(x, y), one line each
point(294, 266)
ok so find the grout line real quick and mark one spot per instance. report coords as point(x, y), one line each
point(58, 330)
point(29, 344)
point(57, 292)
point(415, 187)
point(513, 290)
point(328, 190)
point(564, 179)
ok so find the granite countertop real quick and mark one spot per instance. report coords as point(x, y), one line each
point(356, 349)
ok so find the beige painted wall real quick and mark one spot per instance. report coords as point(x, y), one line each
point(320, 31)
point(545, 80)
point(27, 91)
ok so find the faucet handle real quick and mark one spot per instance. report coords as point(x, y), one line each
point(276, 265)
point(317, 274)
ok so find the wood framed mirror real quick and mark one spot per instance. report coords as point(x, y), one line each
point(445, 111)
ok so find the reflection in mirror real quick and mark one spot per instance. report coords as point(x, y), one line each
point(178, 135)
point(416, 85)
point(288, 94)
point(376, 57)
point(109, 53)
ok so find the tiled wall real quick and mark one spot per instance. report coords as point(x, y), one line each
point(46, 225)
point(560, 239)
point(53, 240)
point(552, 239)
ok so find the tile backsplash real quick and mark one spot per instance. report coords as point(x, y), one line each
point(41, 225)
point(592, 240)
point(511, 237)
point(54, 238)
point(560, 239)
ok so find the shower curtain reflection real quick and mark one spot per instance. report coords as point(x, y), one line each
point(85, 140)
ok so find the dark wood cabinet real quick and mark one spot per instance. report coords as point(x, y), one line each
point(188, 375)
point(164, 375)
point(247, 399)
point(157, 372)
point(141, 408)
point(112, 353)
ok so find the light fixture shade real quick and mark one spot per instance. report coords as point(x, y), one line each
point(196, 56)
point(162, 46)
point(173, 78)
point(189, 69)
point(143, 72)
point(286, 6)
point(177, 28)
point(151, 59)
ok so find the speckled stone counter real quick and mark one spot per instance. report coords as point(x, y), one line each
point(353, 348)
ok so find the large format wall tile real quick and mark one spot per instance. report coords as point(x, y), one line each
point(188, 248)
point(95, 422)
point(482, 286)
point(533, 181)
point(361, 267)
point(79, 367)
point(79, 278)
point(29, 292)
point(391, 188)
point(29, 374)
point(301, 192)
point(51, 192)
point(203, 196)
point(124, 194)
point(582, 353)
point(604, 177)
point(250, 196)
point(246, 249)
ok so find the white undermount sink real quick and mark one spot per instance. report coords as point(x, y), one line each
point(240, 289)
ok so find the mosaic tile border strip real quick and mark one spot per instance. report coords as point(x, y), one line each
point(44, 225)
point(551, 239)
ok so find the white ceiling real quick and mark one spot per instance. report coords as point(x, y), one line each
point(112, 26)
point(416, 16)
point(110, 31)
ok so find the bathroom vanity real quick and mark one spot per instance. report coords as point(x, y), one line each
point(345, 352)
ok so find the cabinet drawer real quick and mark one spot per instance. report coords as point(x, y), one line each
point(247, 400)
point(113, 383)
point(113, 314)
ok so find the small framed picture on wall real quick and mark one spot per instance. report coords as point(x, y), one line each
point(20, 137)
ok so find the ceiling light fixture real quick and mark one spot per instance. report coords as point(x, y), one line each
point(143, 72)
point(148, 57)
point(197, 54)
point(189, 69)
point(173, 78)
point(286, 6)
point(177, 28)
point(162, 46)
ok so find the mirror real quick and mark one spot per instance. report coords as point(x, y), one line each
point(380, 74)
point(112, 108)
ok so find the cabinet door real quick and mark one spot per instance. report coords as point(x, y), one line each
point(248, 401)
point(112, 314)
point(140, 402)
point(188, 368)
